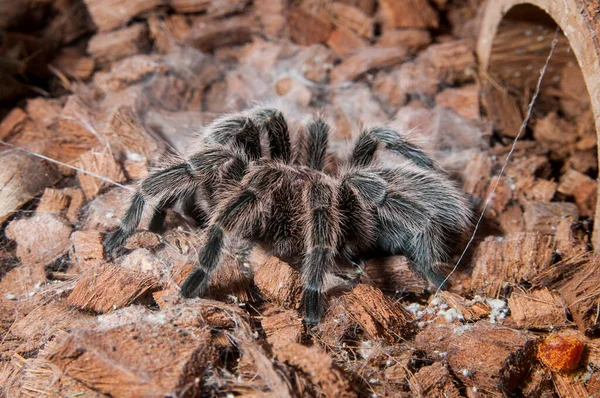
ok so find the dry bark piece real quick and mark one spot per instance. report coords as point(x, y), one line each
point(470, 310)
point(272, 17)
point(544, 217)
point(393, 274)
point(583, 189)
point(282, 327)
point(464, 100)
point(560, 353)
point(12, 123)
point(111, 14)
point(567, 387)
point(385, 88)
point(127, 136)
point(378, 315)
point(453, 61)
point(434, 381)
point(307, 29)
point(502, 109)
point(413, 39)
point(344, 41)
point(365, 60)
point(278, 282)
point(22, 177)
point(518, 257)
point(105, 287)
point(581, 292)
point(53, 201)
point(318, 367)
point(351, 17)
point(127, 72)
point(408, 14)
point(73, 63)
point(539, 309)
point(207, 35)
point(99, 163)
point(572, 85)
point(111, 46)
point(555, 134)
point(123, 361)
point(41, 239)
point(22, 280)
point(87, 249)
point(538, 384)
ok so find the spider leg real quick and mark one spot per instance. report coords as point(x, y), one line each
point(273, 122)
point(193, 210)
point(167, 184)
point(322, 233)
point(237, 131)
point(160, 213)
point(316, 145)
point(240, 214)
point(369, 141)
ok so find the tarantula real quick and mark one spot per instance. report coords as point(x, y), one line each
point(288, 204)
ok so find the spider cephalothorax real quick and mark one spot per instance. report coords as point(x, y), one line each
point(287, 203)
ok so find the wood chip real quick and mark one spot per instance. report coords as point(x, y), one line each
point(581, 292)
point(500, 262)
point(583, 189)
point(207, 35)
point(453, 61)
point(539, 309)
point(87, 249)
point(282, 327)
point(434, 381)
point(413, 39)
point(123, 361)
point(106, 287)
point(111, 46)
point(352, 18)
point(12, 123)
point(344, 41)
point(307, 29)
point(53, 201)
point(278, 282)
point(99, 163)
point(41, 239)
point(365, 60)
point(318, 367)
point(408, 14)
point(544, 217)
point(393, 274)
point(464, 100)
point(22, 177)
point(104, 15)
point(72, 62)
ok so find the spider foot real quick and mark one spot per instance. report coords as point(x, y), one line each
point(314, 306)
point(114, 242)
point(195, 285)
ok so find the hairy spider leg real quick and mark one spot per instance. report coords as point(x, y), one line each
point(316, 145)
point(370, 140)
point(167, 184)
point(240, 214)
point(274, 124)
point(237, 132)
point(322, 234)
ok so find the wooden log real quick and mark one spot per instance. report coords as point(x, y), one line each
point(40, 239)
point(111, 46)
point(106, 287)
point(365, 60)
point(123, 361)
point(22, 177)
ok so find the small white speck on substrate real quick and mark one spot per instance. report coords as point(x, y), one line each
point(528, 32)
point(109, 215)
point(475, 389)
point(466, 372)
point(134, 157)
point(540, 38)
point(413, 308)
point(31, 294)
point(247, 265)
point(517, 74)
point(443, 354)
point(374, 381)
point(10, 297)
point(500, 239)
point(230, 395)
point(389, 363)
point(59, 292)
point(421, 324)
point(451, 315)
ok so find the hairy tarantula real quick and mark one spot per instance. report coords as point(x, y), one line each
point(288, 204)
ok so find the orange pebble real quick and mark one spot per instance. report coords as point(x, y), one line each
point(560, 353)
